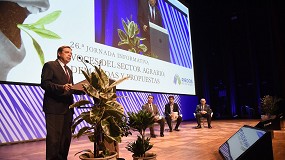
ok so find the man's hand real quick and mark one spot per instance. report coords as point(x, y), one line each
point(156, 118)
point(174, 116)
point(203, 112)
point(145, 28)
point(67, 86)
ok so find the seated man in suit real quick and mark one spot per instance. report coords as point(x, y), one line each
point(203, 110)
point(150, 107)
point(170, 109)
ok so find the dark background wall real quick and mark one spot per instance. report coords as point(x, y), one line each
point(239, 53)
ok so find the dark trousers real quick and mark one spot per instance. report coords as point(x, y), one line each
point(207, 115)
point(58, 135)
point(169, 122)
point(161, 123)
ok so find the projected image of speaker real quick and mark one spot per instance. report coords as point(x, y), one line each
point(159, 42)
point(248, 143)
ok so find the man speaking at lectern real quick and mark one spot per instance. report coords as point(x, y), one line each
point(57, 80)
point(148, 12)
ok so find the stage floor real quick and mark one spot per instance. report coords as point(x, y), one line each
point(188, 143)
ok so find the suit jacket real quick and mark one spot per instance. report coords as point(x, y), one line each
point(167, 109)
point(207, 108)
point(147, 108)
point(53, 77)
point(144, 15)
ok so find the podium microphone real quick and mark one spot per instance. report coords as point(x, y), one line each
point(100, 63)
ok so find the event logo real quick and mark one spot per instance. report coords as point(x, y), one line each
point(182, 81)
point(177, 79)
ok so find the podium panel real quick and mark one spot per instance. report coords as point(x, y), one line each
point(248, 143)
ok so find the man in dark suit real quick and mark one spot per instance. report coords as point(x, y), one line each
point(57, 80)
point(170, 109)
point(203, 110)
point(148, 12)
point(152, 108)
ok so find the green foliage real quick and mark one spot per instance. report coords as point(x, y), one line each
point(39, 28)
point(270, 105)
point(140, 121)
point(106, 117)
point(140, 146)
point(129, 37)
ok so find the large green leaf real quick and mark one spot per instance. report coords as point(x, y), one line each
point(117, 82)
point(86, 75)
point(81, 131)
point(111, 129)
point(101, 76)
point(106, 96)
point(137, 30)
point(79, 103)
point(104, 77)
point(96, 114)
point(74, 125)
point(143, 47)
point(95, 81)
point(121, 43)
point(131, 31)
point(137, 41)
point(114, 112)
point(82, 114)
point(91, 91)
point(44, 33)
point(132, 50)
point(122, 35)
point(48, 18)
point(125, 25)
point(115, 105)
point(39, 51)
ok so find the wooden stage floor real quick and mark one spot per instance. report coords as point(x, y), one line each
point(187, 144)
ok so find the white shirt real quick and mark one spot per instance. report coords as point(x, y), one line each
point(152, 11)
point(171, 108)
point(62, 66)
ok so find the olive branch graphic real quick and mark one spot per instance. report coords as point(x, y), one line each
point(39, 28)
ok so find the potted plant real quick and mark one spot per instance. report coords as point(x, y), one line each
point(129, 39)
point(105, 120)
point(140, 121)
point(269, 107)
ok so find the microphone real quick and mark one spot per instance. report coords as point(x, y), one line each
point(81, 59)
point(100, 63)
point(84, 61)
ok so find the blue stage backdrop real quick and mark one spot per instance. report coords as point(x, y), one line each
point(22, 118)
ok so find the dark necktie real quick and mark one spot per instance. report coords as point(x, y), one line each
point(151, 109)
point(66, 73)
point(153, 17)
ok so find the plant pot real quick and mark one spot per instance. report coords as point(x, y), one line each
point(267, 117)
point(112, 157)
point(148, 156)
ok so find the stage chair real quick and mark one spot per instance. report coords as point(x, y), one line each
point(174, 121)
point(203, 119)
